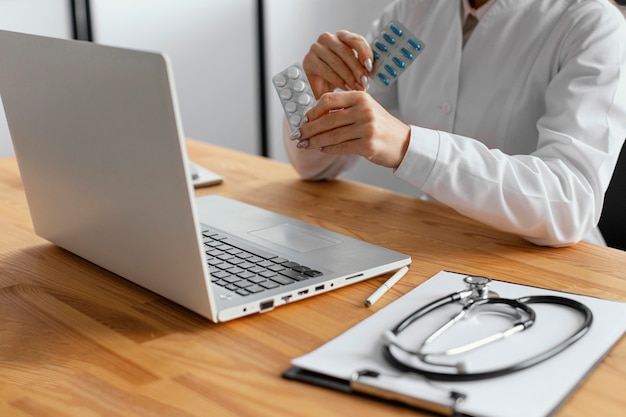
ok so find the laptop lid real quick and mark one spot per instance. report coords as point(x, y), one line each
point(101, 152)
point(97, 137)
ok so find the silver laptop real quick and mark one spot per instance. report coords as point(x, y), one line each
point(101, 152)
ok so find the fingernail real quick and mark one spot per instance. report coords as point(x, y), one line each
point(295, 134)
point(303, 144)
point(368, 65)
point(365, 81)
point(346, 87)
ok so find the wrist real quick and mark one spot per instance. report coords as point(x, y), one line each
point(404, 146)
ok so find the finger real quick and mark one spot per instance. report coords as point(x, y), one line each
point(350, 147)
point(332, 138)
point(361, 49)
point(333, 128)
point(332, 102)
point(316, 62)
point(341, 57)
point(336, 57)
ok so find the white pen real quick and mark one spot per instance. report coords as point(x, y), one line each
point(385, 287)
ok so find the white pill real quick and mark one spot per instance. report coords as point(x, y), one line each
point(304, 99)
point(286, 94)
point(280, 80)
point(295, 120)
point(291, 107)
point(293, 73)
point(299, 86)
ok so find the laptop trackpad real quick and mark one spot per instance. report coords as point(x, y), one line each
point(292, 237)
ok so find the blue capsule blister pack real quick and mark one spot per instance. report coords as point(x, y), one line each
point(295, 94)
point(394, 50)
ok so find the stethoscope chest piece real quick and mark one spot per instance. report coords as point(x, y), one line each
point(478, 285)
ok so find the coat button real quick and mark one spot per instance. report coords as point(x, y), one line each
point(446, 107)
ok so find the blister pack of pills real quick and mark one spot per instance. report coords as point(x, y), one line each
point(394, 50)
point(295, 94)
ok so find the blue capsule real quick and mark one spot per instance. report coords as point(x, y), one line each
point(415, 44)
point(395, 29)
point(384, 79)
point(382, 47)
point(394, 50)
point(406, 53)
point(390, 40)
point(391, 70)
point(400, 63)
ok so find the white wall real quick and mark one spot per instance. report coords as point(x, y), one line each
point(291, 28)
point(213, 49)
point(42, 17)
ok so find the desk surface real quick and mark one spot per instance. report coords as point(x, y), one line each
point(78, 340)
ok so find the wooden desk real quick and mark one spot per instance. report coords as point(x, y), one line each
point(76, 340)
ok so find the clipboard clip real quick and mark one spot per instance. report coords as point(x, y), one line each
point(409, 389)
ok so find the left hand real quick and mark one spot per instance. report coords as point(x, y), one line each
point(352, 122)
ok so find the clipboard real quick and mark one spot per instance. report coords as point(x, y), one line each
point(391, 388)
point(353, 362)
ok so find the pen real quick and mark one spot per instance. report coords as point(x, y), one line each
point(388, 284)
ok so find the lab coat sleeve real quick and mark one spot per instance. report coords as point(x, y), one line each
point(554, 195)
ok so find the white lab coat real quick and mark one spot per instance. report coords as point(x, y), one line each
point(519, 130)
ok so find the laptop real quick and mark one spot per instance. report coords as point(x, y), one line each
point(101, 152)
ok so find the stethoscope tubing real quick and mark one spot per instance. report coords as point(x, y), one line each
point(584, 311)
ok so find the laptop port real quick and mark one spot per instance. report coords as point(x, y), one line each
point(266, 305)
point(319, 287)
point(303, 292)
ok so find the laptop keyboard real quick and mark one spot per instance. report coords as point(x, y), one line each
point(244, 269)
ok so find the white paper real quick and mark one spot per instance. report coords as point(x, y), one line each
point(536, 391)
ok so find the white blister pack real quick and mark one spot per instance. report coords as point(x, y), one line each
point(295, 94)
point(394, 50)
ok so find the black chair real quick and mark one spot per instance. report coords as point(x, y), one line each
point(613, 219)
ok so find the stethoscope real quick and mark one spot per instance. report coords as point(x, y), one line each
point(476, 299)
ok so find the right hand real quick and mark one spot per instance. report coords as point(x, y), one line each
point(331, 63)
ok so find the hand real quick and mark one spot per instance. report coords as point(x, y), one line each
point(352, 122)
point(342, 60)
